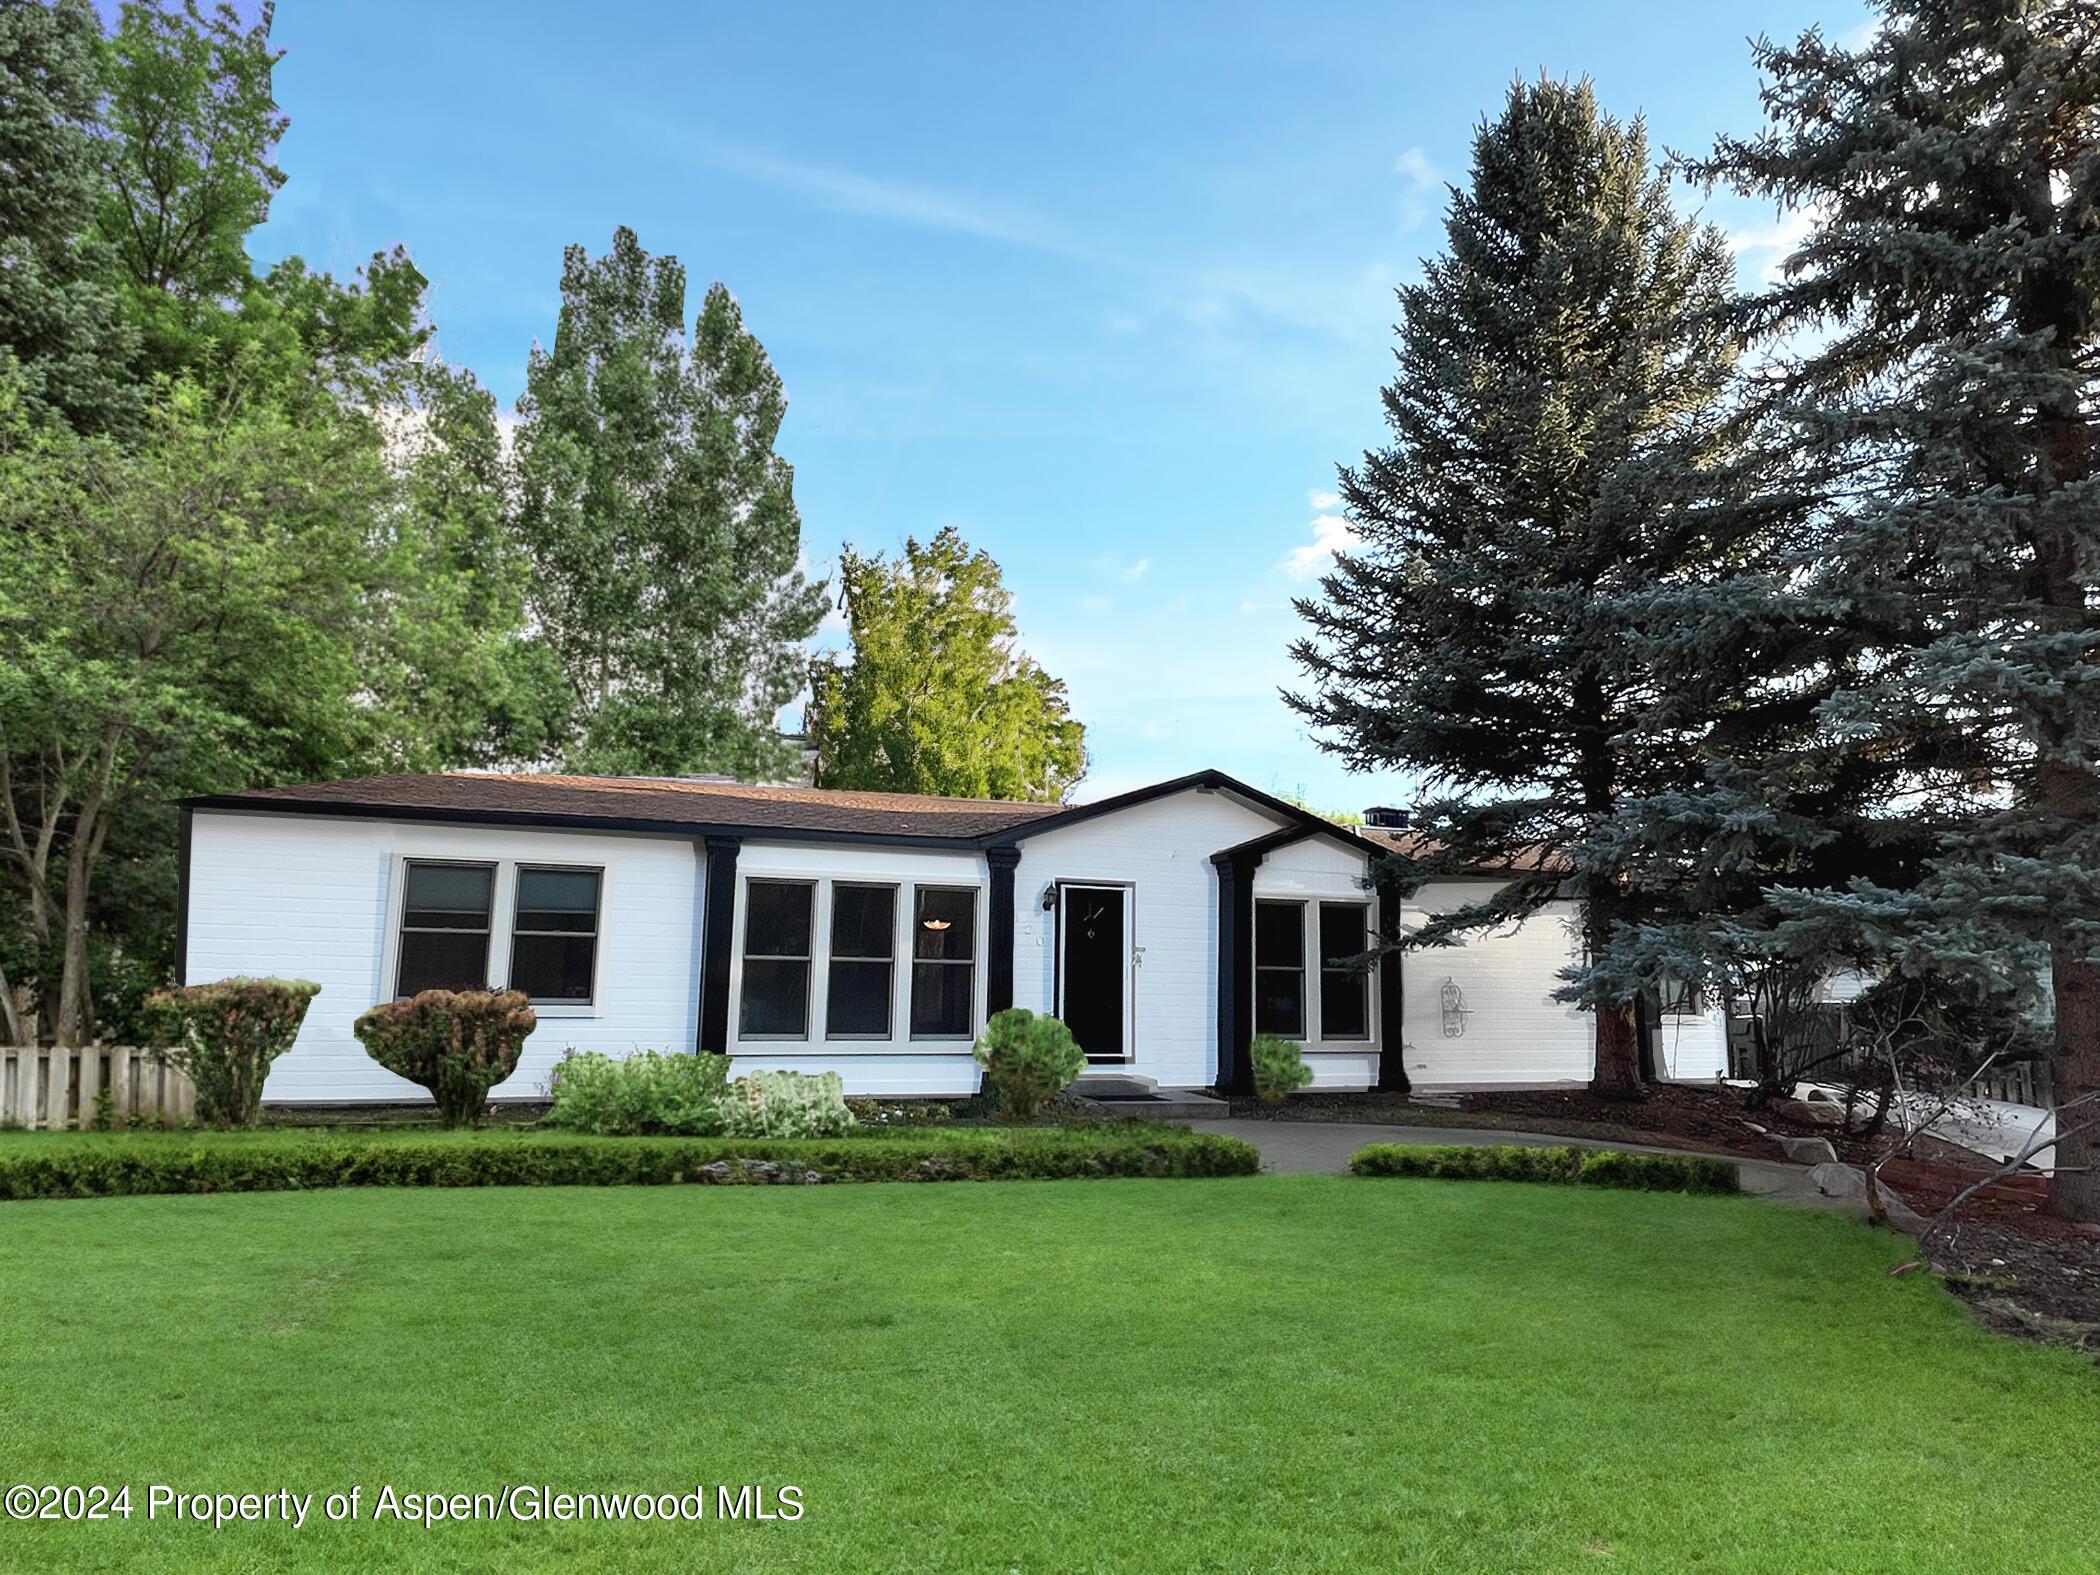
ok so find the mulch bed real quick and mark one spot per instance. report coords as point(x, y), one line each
point(2024, 1272)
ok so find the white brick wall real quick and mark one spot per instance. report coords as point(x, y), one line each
point(1512, 1030)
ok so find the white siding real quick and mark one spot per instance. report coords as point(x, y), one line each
point(900, 1064)
point(1511, 1030)
point(1692, 1047)
point(315, 897)
point(1163, 848)
point(1314, 871)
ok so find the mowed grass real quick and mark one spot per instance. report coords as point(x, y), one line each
point(1275, 1372)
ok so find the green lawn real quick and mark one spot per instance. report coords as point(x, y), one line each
point(1268, 1372)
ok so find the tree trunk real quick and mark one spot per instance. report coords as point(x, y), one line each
point(2074, 1189)
point(1618, 1071)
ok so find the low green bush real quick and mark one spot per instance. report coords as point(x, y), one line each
point(1565, 1166)
point(73, 1165)
point(786, 1105)
point(458, 1044)
point(225, 1035)
point(1027, 1060)
point(1279, 1067)
point(647, 1093)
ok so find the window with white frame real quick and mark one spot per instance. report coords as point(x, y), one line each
point(445, 910)
point(554, 933)
point(778, 929)
point(1279, 969)
point(1345, 991)
point(943, 962)
point(863, 961)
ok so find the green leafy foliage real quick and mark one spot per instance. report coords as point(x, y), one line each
point(60, 323)
point(225, 1035)
point(644, 1093)
point(129, 1164)
point(661, 524)
point(1027, 1060)
point(1279, 1067)
point(786, 1105)
point(457, 1044)
point(1565, 1166)
point(936, 699)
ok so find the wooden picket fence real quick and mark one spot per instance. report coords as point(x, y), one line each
point(46, 1086)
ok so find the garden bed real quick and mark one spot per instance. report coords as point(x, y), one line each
point(71, 1164)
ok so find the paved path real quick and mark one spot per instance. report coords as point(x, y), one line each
point(1317, 1147)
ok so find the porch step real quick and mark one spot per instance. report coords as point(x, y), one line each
point(1141, 1099)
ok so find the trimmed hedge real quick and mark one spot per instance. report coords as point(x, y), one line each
point(1594, 1167)
point(272, 1162)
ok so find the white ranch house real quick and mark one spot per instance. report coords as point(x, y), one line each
point(868, 934)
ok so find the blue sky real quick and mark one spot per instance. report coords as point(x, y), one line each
point(1109, 288)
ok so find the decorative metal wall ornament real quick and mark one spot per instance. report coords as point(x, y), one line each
point(1452, 1000)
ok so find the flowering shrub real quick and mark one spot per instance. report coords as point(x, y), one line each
point(786, 1105)
point(457, 1044)
point(647, 1092)
point(225, 1035)
point(1279, 1067)
point(1027, 1059)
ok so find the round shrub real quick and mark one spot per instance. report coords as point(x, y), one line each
point(225, 1035)
point(1027, 1059)
point(458, 1044)
point(1279, 1067)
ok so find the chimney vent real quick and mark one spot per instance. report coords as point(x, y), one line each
point(1386, 816)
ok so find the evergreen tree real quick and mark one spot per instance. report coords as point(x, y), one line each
point(936, 698)
point(1950, 288)
point(661, 524)
point(59, 319)
point(1559, 404)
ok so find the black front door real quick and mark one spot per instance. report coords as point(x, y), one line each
point(1091, 967)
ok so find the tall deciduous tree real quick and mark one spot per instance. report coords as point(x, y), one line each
point(661, 523)
point(936, 698)
point(1950, 288)
point(1562, 377)
point(183, 612)
point(59, 317)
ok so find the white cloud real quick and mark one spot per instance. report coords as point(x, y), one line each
point(1137, 570)
point(1766, 247)
point(881, 197)
point(1331, 533)
point(1419, 180)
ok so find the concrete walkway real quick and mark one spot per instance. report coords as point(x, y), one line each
point(1324, 1147)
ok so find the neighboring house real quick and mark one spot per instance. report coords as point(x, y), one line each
point(869, 934)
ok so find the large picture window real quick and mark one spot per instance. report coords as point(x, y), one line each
point(863, 961)
point(444, 928)
point(1345, 992)
point(943, 962)
point(554, 937)
point(777, 930)
point(1279, 969)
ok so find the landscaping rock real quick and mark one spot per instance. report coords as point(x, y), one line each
point(1838, 1181)
point(1814, 1113)
point(1806, 1150)
point(1897, 1214)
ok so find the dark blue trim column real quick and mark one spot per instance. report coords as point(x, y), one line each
point(1392, 1001)
point(1235, 970)
point(182, 895)
point(999, 929)
point(718, 921)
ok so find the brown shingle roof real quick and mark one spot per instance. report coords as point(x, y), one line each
point(1400, 839)
point(658, 803)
